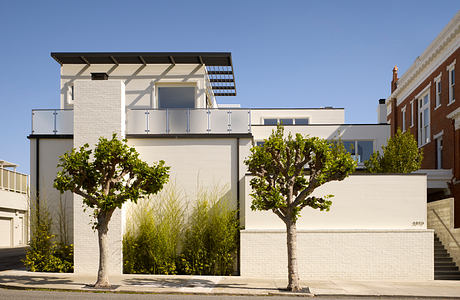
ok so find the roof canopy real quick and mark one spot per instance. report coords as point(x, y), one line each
point(5, 164)
point(218, 64)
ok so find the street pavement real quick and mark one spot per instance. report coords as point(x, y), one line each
point(231, 286)
point(54, 295)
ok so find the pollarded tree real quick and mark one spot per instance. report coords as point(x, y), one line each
point(106, 178)
point(283, 185)
point(400, 155)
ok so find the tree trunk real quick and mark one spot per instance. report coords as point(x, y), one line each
point(102, 274)
point(293, 272)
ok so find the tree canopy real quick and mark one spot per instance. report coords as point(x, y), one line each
point(107, 177)
point(400, 155)
point(286, 171)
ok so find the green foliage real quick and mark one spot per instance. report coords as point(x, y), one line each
point(109, 176)
point(400, 155)
point(281, 183)
point(45, 253)
point(161, 240)
point(153, 235)
point(211, 238)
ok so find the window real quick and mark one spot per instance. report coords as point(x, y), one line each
point(176, 97)
point(359, 150)
point(260, 143)
point(412, 113)
point(451, 71)
point(303, 121)
point(403, 111)
point(72, 92)
point(270, 121)
point(286, 121)
point(437, 83)
point(424, 120)
point(439, 152)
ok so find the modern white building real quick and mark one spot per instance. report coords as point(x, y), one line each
point(14, 206)
point(166, 105)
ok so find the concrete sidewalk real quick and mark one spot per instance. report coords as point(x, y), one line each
point(229, 285)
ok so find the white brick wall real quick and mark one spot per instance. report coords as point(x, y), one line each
point(341, 254)
point(99, 110)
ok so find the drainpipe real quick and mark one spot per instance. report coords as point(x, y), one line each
point(238, 251)
point(37, 176)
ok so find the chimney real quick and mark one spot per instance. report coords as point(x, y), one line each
point(394, 82)
point(382, 112)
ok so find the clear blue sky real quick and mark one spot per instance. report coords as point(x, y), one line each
point(285, 53)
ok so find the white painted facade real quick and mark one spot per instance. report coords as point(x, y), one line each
point(14, 206)
point(206, 147)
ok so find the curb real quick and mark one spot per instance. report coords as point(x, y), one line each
point(121, 290)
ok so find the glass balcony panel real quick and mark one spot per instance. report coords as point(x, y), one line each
point(198, 121)
point(157, 122)
point(137, 122)
point(177, 121)
point(64, 122)
point(43, 122)
point(219, 121)
point(240, 119)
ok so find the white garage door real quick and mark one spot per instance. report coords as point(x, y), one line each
point(5, 232)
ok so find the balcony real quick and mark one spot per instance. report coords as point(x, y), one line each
point(154, 121)
point(13, 181)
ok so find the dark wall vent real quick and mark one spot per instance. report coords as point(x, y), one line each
point(99, 76)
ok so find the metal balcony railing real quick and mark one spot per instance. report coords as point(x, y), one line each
point(154, 121)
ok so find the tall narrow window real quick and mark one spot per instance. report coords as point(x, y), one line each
point(439, 152)
point(451, 71)
point(424, 120)
point(452, 86)
point(437, 83)
point(412, 113)
point(403, 111)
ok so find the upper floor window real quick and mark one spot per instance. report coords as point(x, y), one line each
point(424, 119)
point(437, 84)
point(403, 111)
point(451, 71)
point(286, 121)
point(412, 113)
point(438, 139)
point(359, 150)
point(176, 97)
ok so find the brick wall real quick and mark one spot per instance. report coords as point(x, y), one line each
point(344, 255)
point(99, 110)
point(438, 120)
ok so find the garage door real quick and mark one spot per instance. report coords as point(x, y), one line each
point(5, 232)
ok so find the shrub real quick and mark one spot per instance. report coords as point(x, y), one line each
point(159, 239)
point(211, 239)
point(45, 253)
point(152, 239)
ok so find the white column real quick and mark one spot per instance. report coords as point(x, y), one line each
point(99, 110)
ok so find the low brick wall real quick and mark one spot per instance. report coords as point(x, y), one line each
point(440, 215)
point(341, 254)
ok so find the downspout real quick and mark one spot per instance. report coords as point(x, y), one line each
point(238, 251)
point(37, 176)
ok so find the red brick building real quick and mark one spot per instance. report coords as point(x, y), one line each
point(426, 101)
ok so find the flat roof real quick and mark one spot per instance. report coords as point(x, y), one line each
point(219, 65)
